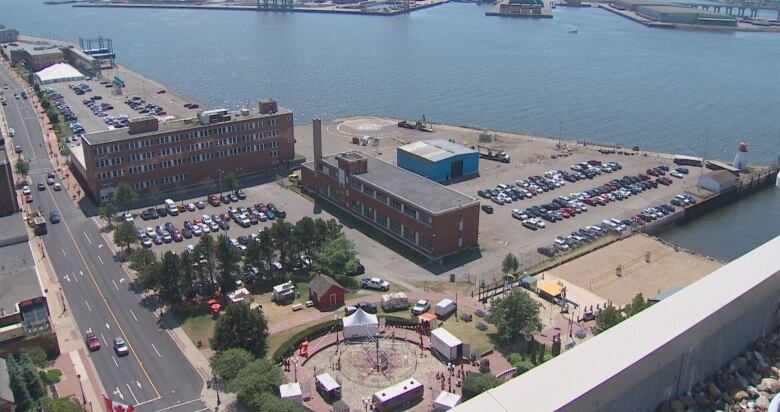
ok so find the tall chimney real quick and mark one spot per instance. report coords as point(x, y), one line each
point(317, 133)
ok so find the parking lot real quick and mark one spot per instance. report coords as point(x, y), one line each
point(171, 102)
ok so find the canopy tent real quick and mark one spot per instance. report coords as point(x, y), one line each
point(550, 288)
point(60, 72)
point(446, 400)
point(360, 325)
point(291, 391)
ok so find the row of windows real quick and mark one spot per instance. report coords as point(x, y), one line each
point(138, 144)
point(374, 216)
point(167, 180)
point(135, 157)
point(394, 203)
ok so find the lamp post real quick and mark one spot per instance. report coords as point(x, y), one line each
point(83, 398)
point(215, 383)
point(221, 172)
point(295, 366)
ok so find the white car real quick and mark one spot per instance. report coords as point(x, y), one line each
point(205, 228)
point(421, 307)
point(26, 190)
point(206, 219)
point(191, 207)
point(11, 131)
point(127, 217)
point(676, 174)
point(196, 230)
point(57, 187)
point(150, 231)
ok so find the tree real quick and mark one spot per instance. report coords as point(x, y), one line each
point(229, 180)
point(228, 363)
point(241, 327)
point(37, 355)
point(257, 377)
point(608, 317)
point(510, 264)
point(476, 383)
point(303, 233)
point(229, 260)
point(125, 196)
point(336, 257)
point(206, 248)
point(281, 232)
point(185, 268)
point(35, 386)
point(141, 258)
point(125, 235)
point(515, 316)
point(170, 278)
point(107, 212)
point(266, 401)
point(637, 305)
point(18, 385)
point(22, 167)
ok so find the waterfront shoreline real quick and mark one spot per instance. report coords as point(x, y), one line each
point(661, 25)
point(321, 10)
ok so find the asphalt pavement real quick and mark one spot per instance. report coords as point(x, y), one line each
point(156, 375)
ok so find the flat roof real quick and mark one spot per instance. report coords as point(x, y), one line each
point(397, 389)
point(410, 187)
point(447, 399)
point(435, 150)
point(18, 277)
point(14, 231)
point(33, 51)
point(3, 154)
point(327, 382)
point(550, 287)
point(576, 372)
point(445, 336)
point(290, 390)
point(172, 126)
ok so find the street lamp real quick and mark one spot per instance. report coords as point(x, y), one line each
point(83, 398)
point(215, 383)
point(295, 365)
point(221, 172)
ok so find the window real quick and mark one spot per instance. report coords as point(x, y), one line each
point(395, 227)
point(395, 204)
point(424, 218)
point(410, 234)
point(381, 219)
point(411, 212)
point(368, 212)
point(355, 185)
point(368, 190)
point(355, 206)
point(381, 197)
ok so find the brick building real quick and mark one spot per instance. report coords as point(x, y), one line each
point(432, 219)
point(325, 292)
point(9, 204)
point(37, 57)
point(159, 157)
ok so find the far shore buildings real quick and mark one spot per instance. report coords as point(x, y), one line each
point(432, 219)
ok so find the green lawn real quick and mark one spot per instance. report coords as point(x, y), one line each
point(197, 323)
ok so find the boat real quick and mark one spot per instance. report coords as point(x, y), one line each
point(573, 31)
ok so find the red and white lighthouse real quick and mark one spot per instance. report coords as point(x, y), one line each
point(740, 161)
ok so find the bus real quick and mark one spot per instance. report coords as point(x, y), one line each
point(398, 396)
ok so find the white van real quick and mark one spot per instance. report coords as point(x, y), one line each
point(172, 209)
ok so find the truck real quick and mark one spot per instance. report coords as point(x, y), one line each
point(445, 308)
point(39, 225)
point(173, 210)
point(375, 283)
point(395, 301)
point(492, 153)
point(446, 344)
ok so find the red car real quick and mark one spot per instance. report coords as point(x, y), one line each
point(644, 176)
point(590, 202)
point(93, 343)
point(28, 198)
point(214, 200)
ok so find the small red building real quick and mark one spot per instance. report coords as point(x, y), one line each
point(325, 292)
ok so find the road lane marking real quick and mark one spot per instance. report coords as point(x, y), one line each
point(117, 392)
point(64, 254)
point(90, 309)
point(147, 401)
point(131, 312)
point(138, 384)
point(156, 351)
point(104, 338)
point(66, 277)
point(108, 326)
point(178, 405)
point(131, 392)
point(117, 365)
point(117, 287)
point(103, 297)
point(101, 260)
point(80, 273)
point(85, 235)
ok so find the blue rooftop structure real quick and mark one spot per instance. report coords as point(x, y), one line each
point(439, 160)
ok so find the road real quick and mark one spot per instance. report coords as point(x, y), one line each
point(156, 375)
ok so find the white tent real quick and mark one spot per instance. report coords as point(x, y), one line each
point(291, 391)
point(446, 401)
point(60, 72)
point(360, 325)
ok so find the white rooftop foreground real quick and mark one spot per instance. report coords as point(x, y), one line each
point(669, 347)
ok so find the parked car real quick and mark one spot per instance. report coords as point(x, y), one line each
point(487, 209)
point(421, 307)
point(93, 343)
point(375, 283)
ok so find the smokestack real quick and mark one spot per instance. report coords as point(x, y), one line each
point(317, 134)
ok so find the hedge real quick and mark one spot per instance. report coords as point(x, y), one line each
point(288, 347)
point(399, 321)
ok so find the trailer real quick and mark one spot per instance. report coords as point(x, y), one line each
point(283, 293)
point(395, 301)
point(493, 153)
point(446, 344)
point(398, 396)
point(445, 308)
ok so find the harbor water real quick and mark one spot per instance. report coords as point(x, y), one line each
point(613, 81)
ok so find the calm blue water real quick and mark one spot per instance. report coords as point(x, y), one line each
point(615, 81)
